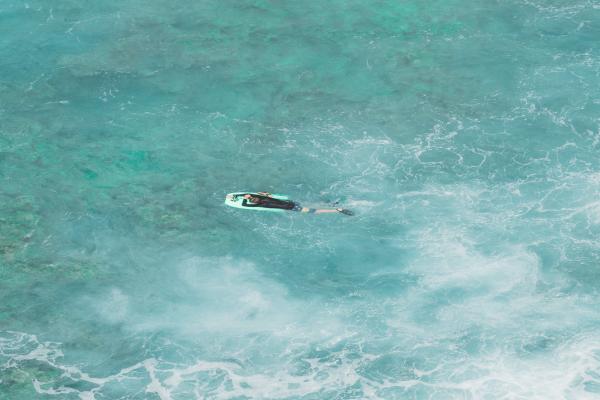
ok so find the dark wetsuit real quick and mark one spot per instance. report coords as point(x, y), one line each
point(269, 202)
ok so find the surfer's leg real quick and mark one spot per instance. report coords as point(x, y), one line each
point(318, 210)
point(333, 210)
point(298, 207)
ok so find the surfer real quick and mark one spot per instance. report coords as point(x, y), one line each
point(265, 200)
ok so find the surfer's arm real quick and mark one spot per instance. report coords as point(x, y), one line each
point(246, 203)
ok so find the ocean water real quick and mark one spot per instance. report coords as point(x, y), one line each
point(465, 136)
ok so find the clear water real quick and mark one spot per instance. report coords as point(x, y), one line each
point(465, 135)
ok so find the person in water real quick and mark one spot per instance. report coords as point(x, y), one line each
point(264, 199)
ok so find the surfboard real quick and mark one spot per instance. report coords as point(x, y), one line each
point(236, 199)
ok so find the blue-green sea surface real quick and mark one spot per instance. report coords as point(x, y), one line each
point(464, 134)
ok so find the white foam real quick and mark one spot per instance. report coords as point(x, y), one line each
point(564, 372)
point(560, 374)
point(114, 306)
point(221, 295)
point(361, 203)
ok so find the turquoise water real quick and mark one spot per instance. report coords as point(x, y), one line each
point(465, 136)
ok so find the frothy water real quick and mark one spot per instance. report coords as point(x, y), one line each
point(465, 138)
